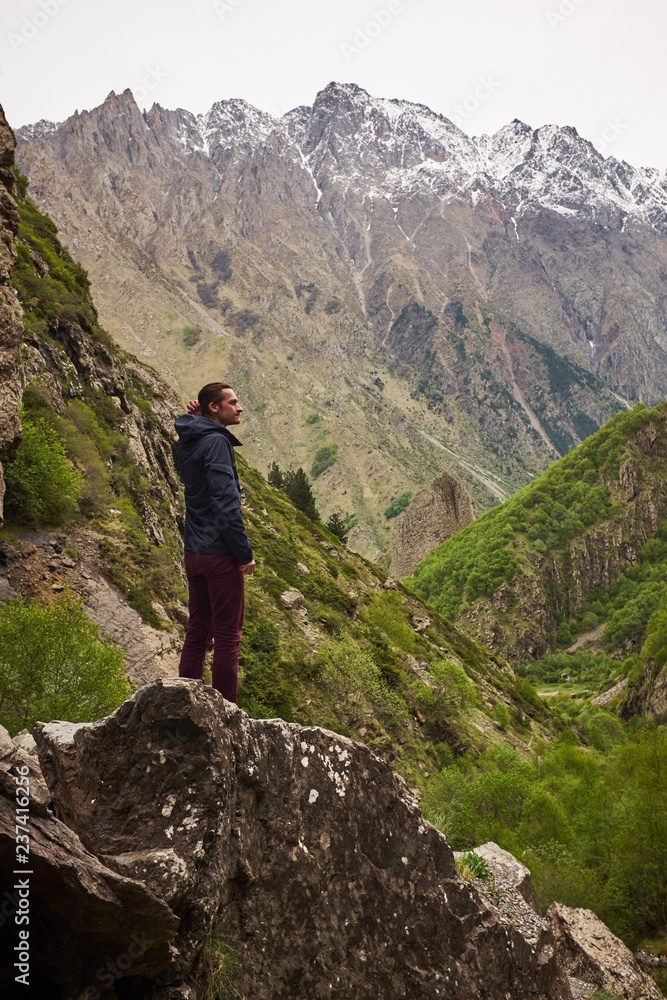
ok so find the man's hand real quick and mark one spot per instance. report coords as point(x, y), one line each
point(194, 407)
point(248, 568)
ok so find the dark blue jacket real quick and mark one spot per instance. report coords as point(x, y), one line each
point(205, 462)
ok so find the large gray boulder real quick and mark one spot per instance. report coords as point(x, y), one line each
point(304, 853)
point(587, 945)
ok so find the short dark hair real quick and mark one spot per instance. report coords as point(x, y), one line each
point(211, 393)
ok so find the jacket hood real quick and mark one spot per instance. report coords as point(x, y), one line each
point(191, 428)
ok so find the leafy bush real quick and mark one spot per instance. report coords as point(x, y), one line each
point(452, 690)
point(245, 319)
point(386, 611)
point(54, 664)
point(43, 489)
point(222, 265)
point(350, 675)
point(501, 715)
point(472, 865)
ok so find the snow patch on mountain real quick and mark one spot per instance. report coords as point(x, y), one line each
point(395, 149)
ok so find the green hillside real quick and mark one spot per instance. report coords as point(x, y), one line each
point(581, 546)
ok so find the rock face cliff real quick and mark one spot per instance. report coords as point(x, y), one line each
point(469, 305)
point(443, 508)
point(648, 695)
point(10, 309)
point(303, 855)
point(70, 375)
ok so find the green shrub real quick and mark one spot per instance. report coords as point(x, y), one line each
point(387, 612)
point(191, 335)
point(54, 664)
point(452, 690)
point(472, 865)
point(43, 489)
point(397, 505)
point(324, 459)
point(351, 677)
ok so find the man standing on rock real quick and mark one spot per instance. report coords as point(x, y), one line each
point(218, 556)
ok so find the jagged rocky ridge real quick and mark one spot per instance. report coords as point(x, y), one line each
point(478, 305)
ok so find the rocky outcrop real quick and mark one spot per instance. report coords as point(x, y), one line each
point(442, 509)
point(509, 873)
point(86, 922)
point(304, 854)
point(647, 695)
point(593, 957)
point(10, 309)
point(588, 949)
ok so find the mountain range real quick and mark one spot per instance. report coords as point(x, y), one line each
point(375, 282)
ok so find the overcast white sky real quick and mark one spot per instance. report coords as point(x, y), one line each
point(595, 64)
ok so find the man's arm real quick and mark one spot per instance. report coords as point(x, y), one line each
point(226, 503)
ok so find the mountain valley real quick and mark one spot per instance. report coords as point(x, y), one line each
point(372, 280)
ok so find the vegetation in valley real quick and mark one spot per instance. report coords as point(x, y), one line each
point(397, 505)
point(588, 820)
point(55, 664)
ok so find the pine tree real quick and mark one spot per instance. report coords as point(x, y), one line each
point(336, 526)
point(276, 477)
point(298, 489)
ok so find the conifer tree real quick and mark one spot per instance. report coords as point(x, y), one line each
point(336, 526)
point(298, 489)
point(276, 477)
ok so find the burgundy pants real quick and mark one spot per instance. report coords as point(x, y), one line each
point(216, 587)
